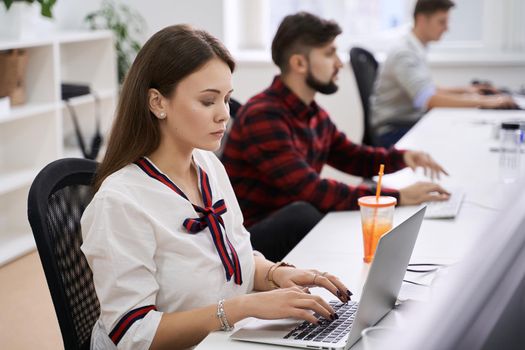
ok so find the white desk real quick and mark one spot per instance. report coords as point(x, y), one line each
point(457, 138)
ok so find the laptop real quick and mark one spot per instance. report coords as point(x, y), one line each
point(378, 298)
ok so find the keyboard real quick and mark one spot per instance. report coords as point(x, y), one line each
point(327, 331)
point(446, 209)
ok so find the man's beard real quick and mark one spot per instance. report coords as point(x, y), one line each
point(324, 88)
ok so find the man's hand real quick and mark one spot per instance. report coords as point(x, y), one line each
point(422, 192)
point(498, 102)
point(414, 159)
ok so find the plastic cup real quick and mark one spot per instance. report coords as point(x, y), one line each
point(378, 338)
point(377, 217)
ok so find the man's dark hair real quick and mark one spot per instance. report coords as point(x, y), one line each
point(299, 33)
point(429, 7)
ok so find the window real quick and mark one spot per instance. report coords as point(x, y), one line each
point(375, 22)
point(359, 19)
point(474, 24)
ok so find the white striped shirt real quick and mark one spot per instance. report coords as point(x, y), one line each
point(141, 255)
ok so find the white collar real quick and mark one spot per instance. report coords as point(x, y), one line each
point(420, 48)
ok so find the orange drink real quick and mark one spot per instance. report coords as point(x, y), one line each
point(377, 215)
point(371, 234)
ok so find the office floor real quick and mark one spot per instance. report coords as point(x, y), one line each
point(28, 318)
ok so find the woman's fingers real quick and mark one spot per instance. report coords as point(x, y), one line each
point(334, 285)
point(302, 314)
point(316, 304)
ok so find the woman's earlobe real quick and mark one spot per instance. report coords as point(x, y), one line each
point(155, 103)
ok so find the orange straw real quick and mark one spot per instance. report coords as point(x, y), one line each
point(378, 192)
point(378, 189)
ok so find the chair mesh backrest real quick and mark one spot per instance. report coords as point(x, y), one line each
point(234, 107)
point(57, 199)
point(65, 208)
point(365, 67)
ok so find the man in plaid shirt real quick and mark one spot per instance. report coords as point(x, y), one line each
point(281, 138)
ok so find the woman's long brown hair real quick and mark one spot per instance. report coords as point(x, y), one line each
point(168, 56)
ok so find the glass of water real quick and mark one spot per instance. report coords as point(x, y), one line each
point(377, 338)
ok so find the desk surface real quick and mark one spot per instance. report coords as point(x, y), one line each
point(460, 140)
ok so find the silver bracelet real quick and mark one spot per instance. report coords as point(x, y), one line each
point(221, 315)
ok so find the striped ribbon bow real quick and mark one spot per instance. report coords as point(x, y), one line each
point(211, 218)
point(209, 213)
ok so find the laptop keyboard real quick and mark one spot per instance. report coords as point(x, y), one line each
point(327, 331)
point(446, 209)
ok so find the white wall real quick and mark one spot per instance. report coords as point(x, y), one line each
point(254, 75)
point(205, 14)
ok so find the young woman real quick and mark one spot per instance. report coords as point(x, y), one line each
point(164, 233)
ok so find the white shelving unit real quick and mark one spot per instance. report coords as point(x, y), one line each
point(40, 131)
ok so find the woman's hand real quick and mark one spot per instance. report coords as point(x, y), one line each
point(292, 277)
point(294, 302)
point(431, 168)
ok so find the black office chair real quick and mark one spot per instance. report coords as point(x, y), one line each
point(57, 198)
point(234, 107)
point(365, 67)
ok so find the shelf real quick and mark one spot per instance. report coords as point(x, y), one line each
point(15, 244)
point(60, 38)
point(24, 43)
point(27, 110)
point(33, 135)
point(81, 36)
point(102, 94)
point(32, 109)
point(15, 180)
point(73, 152)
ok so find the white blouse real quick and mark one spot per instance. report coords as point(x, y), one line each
point(143, 258)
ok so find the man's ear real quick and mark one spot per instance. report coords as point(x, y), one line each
point(298, 63)
point(421, 19)
point(156, 103)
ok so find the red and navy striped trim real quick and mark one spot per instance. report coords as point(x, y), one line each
point(149, 169)
point(127, 321)
point(210, 217)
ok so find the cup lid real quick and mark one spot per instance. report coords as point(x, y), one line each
point(510, 125)
point(382, 202)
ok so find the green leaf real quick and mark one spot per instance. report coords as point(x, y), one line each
point(8, 3)
point(45, 7)
point(125, 23)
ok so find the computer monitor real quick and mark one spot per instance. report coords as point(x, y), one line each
point(480, 304)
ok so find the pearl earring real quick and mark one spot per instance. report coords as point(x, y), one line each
point(162, 115)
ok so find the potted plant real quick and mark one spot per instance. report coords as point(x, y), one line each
point(126, 25)
point(46, 6)
point(20, 18)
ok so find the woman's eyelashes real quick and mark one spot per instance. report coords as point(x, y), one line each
point(208, 103)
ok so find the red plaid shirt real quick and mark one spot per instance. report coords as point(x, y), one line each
point(277, 148)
